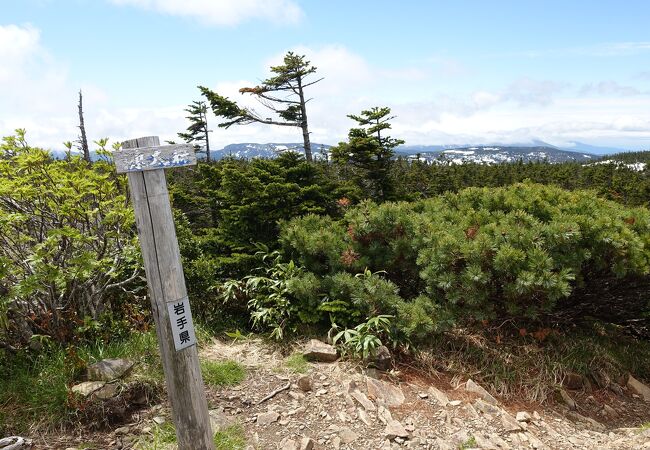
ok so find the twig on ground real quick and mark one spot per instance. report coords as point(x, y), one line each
point(274, 393)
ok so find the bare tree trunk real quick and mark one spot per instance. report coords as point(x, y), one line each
point(303, 123)
point(207, 139)
point(82, 139)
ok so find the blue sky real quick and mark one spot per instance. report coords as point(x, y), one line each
point(452, 72)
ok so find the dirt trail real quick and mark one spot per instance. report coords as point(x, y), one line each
point(340, 405)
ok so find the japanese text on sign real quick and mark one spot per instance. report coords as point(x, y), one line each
point(180, 317)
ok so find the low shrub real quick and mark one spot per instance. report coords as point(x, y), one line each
point(483, 253)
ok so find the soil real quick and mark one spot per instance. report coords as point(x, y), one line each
point(330, 416)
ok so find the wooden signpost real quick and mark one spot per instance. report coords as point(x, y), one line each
point(144, 160)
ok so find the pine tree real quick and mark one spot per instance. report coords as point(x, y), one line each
point(370, 152)
point(198, 129)
point(283, 94)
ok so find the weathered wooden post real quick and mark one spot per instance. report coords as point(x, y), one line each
point(144, 161)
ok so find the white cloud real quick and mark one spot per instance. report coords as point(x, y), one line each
point(222, 12)
point(608, 87)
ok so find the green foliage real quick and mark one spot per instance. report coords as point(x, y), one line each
point(369, 153)
point(230, 438)
point(36, 386)
point(510, 252)
point(364, 339)
point(68, 246)
point(226, 373)
point(198, 129)
point(163, 437)
point(282, 94)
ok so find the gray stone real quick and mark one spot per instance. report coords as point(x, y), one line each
point(471, 386)
point(485, 407)
point(267, 418)
point(109, 369)
point(219, 420)
point(320, 351)
point(109, 390)
point(509, 423)
point(363, 416)
point(87, 387)
point(395, 429)
point(523, 416)
point(390, 394)
point(363, 401)
point(159, 420)
point(639, 388)
point(440, 396)
point(382, 358)
point(347, 435)
point(306, 443)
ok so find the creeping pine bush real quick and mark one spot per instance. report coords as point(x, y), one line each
point(482, 253)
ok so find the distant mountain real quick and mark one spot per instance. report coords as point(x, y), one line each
point(495, 154)
point(251, 150)
point(436, 154)
point(593, 149)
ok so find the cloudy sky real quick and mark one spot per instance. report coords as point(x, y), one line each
point(452, 72)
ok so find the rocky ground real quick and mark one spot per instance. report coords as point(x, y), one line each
point(340, 405)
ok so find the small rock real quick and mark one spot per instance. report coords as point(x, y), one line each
point(158, 420)
point(471, 386)
point(267, 418)
point(390, 394)
point(641, 389)
point(363, 401)
point(395, 429)
point(320, 351)
point(321, 392)
point(382, 358)
point(610, 411)
point(347, 435)
point(440, 396)
point(509, 423)
point(306, 443)
point(88, 387)
point(423, 395)
point(109, 390)
point(485, 407)
point(363, 416)
point(523, 416)
point(122, 430)
point(384, 415)
point(573, 381)
point(567, 399)
point(455, 402)
point(304, 383)
point(109, 369)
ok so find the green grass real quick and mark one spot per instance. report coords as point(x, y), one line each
point(469, 443)
point(34, 388)
point(164, 437)
point(645, 426)
point(222, 373)
point(297, 363)
point(231, 438)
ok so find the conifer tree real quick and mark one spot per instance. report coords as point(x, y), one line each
point(283, 94)
point(198, 129)
point(370, 150)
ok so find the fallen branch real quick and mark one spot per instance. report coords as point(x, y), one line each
point(274, 393)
